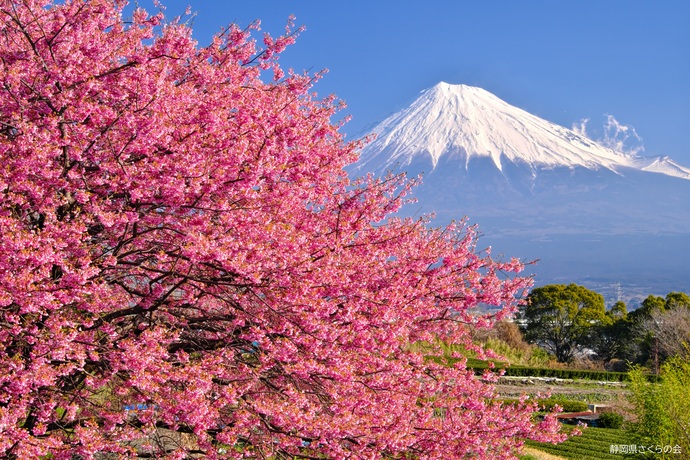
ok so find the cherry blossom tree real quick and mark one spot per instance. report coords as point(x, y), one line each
point(186, 269)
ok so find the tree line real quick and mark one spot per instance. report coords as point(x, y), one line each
point(572, 321)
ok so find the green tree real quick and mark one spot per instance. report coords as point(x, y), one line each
point(618, 311)
point(676, 299)
point(650, 304)
point(641, 346)
point(658, 328)
point(663, 408)
point(612, 338)
point(563, 319)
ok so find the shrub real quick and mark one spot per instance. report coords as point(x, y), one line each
point(662, 408)
point(567, 405)
point(610, 420)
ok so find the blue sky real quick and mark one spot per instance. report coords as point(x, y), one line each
point(561, 60)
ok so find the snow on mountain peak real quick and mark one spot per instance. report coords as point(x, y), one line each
point(663, 165)
point(463, 121)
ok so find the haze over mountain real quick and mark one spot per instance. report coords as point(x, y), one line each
point(540, 190)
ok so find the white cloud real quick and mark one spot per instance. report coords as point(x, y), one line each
point(616, 136)
point(581, 127)
point(621, 138)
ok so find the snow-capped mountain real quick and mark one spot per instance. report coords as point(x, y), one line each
point(663, 165)
point(464, 122)
point(538, 190)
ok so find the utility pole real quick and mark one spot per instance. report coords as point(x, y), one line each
point(656, 355)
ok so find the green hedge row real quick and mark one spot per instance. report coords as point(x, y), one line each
point(480, 366)
point(567, 405)
point(548, 404)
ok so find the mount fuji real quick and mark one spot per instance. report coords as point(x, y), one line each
point(538, 190)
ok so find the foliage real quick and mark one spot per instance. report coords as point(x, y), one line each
point(618, 311)
point(565, 404)
point(649, 304)
point(506, 341)
point(655, 303)
point(562, 319)
point(183, 258)
point(663, 408)
point(676, 300)
point(612, 337)
point(657, 329)
point(610, 420)
point(531, 356)
point(494, 350)
point(669, 330)
point(647, 335)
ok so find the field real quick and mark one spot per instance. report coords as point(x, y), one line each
point(608, 393)
point(594, 443)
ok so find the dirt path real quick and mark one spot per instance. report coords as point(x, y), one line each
point(539, 455)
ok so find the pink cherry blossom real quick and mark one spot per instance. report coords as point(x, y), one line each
point(185, 267)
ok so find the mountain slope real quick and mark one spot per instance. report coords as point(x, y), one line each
point(538, 190)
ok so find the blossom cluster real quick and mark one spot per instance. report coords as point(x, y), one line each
point(185, 267)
